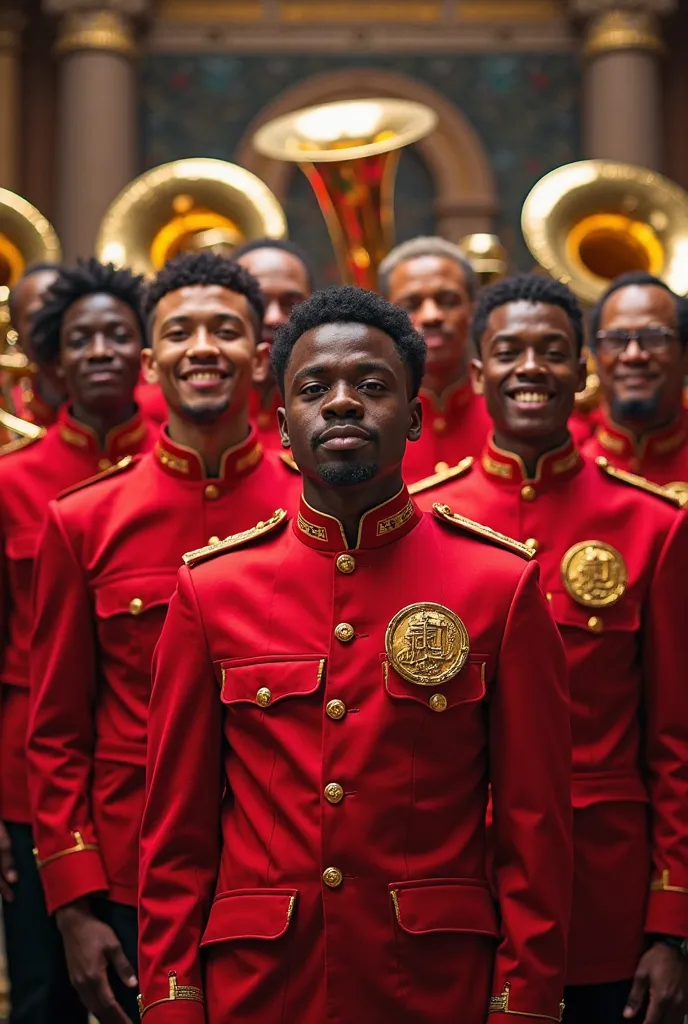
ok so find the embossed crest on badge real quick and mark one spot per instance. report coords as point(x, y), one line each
point(594, 573)
point(427, 644)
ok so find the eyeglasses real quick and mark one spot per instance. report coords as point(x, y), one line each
point(650, 339)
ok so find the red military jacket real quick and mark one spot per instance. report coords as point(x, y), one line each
point(264, 419)
point(31, 475)
point(614, 561)
point(104, 576)
point(454, 426)
point(660, 455)
point(315, 820)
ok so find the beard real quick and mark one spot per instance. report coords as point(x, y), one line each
point(634, 408)
point(348, 474)
point(206, 413)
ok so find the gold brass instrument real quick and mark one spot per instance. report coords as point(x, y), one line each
point(26, 237)
point(349, 152)
point(185, 206)
point(487, 256)
point(588, 222)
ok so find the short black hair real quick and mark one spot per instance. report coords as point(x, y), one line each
point(283, 246)
point(35, 268)
point(88, 277)
point(346, 304)
point(534, 288)
point(204, 268)
point(640, 277)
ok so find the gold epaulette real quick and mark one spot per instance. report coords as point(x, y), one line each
point(445, 513)
point(21, 442)
point(277, 518)
point(23, 428)
point(288, 460)
point(444, 475)
point(126, 463)
point(637, 481)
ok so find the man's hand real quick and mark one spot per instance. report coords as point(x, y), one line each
point(8, 872)
point(91, 947)
point(662, 974)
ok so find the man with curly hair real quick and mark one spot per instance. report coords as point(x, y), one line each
point(90, 331)
point(105, 573)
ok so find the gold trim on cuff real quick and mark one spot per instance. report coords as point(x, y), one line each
point(662, 885)
point(79, 847)
point(500, 1004)
point(188, 992)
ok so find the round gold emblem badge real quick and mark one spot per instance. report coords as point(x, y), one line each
point(427, 644)
point(678, 490)
point(594, 573)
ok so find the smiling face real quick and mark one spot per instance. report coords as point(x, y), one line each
point(347, 411)
point(433, 291)
point(204, 353)
point(283, 281)
point(530, 371)
point(100, 354)
point(640, 385)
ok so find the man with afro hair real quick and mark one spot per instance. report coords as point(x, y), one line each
point(105, 573)
point(613, 552)
point(89, 330)
point(333, 693)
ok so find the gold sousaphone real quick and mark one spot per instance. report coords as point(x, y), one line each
point(588, 222)
point(186, 206)
point(349, 152)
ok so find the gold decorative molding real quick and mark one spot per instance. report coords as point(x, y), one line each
point(428, 12)
point(508, 10)
point(96, 30)
point(211, 11)
point(623, 30)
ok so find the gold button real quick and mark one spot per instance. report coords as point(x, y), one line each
point(264, 696)
point(438, 702)
point(135, 606)
point(332, 877)
point(346, 563)
point(532, 544)
point(104, 464)
point(595, 624)
point(528, 493)
point(441, 467)
point(344, 632)
point(334, 794)
point(548, 595)
point(336, 709)
point(439, 425)
point(212, 492)
point(214, 540)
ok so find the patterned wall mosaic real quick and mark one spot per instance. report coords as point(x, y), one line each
point(524, 107)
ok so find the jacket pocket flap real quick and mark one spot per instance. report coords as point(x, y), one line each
point(588, 788)
point(444, 905)
point(134, 595)
point(21, 545)
point(249, 914)
point(624, 615)
point(466, 687)
point(266, 681)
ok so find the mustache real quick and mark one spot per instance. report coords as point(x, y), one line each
point(373, 433)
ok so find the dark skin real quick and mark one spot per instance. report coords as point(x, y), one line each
point(530, 349)
point(206, 360)
point(283, 281)
point(27, 298)
point(433, 291)
point(347, 400)
point(635, 373)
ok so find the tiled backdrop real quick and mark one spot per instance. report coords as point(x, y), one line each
point(525, 108)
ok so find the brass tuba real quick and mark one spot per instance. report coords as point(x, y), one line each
point(487, 256)
point(349, 151)
point(26, 237)
point(185, 206)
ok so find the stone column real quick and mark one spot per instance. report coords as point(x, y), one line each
point(622, 89)
point(96, 113)
point(11, 24)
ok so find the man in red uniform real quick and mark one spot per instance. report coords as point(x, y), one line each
point(331, 698)
point(37, 401)
point(104, 576)
point(282, 271)
point(434, 282)
point(90, 330)
point(613, 550)
point(639, 331)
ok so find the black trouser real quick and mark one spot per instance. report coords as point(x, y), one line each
point(596, 1004)
point(40, 991)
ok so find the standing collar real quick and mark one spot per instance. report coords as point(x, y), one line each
point(119, 441)
point(553, 467)
point(186, 463)
point(452, 400)
point(651, 445)
point(265, 416)
point(381, 525)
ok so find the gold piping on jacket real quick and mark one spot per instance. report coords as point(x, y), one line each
point(311, 530)
point(636, 481)
point(395, 522)
point(79, 847)
point(395, 900)
point(500, 1004)
point(189, 992)
point(661, 884)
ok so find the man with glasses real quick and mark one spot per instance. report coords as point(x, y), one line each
point(639, 331)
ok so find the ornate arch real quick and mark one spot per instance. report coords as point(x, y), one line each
point(466, 197)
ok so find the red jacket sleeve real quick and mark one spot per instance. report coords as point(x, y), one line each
point(665, 655)
point(530, 771)
point(180, 836)
point(61, 722)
